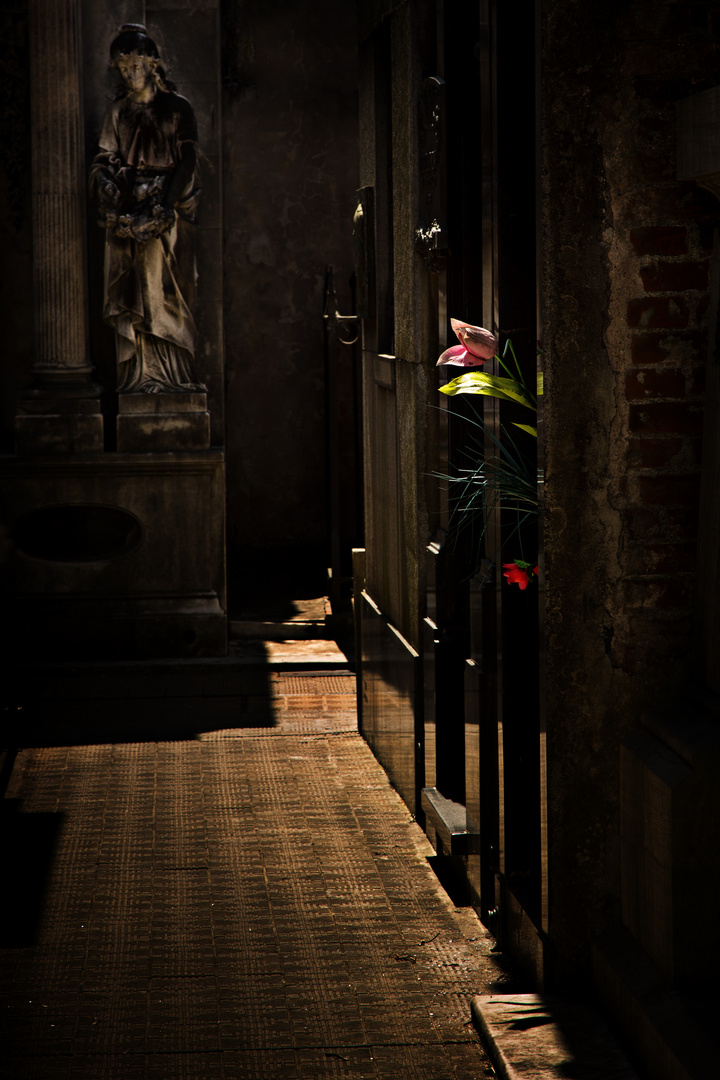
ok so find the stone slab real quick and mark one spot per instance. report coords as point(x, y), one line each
point(533, 1037)
point(161, 403)
point(156, 433)
point(58, 433)
point(59, 406)
point(161, 596)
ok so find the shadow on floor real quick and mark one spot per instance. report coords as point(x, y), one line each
point(266, 584)
point(27, 845)
point(76, 704)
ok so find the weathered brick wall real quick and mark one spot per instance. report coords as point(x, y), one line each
point(663, 387)
point(625, 305)
point(657, 334)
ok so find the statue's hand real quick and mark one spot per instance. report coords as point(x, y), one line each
point(140, 227)
point(143, 228)
point(124, 227)
point(109, 193)
point(108, 220)
point(163, 217)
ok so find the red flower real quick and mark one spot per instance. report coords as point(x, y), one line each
point(518, 573)
point(476, 346)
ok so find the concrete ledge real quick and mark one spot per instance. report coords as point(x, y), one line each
point(532, 1037)
point(449, 821)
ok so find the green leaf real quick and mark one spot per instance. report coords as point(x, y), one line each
point(526, 427)
point(477, 382)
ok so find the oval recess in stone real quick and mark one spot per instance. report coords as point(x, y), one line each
point(84, 533)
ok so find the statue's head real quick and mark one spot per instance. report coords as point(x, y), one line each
point(133, 38)
point(135, 56)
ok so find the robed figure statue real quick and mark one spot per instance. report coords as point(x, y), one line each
point(144, 178)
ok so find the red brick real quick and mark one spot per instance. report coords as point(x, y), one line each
point(643, 524)
point(660, 239)
point(653, 453)
point(655, 167)
point(665, 595)
point(697, 383)
point(665, 418)
point(662, 313)
point(706, 236)
point(650, 348)
point(663, 383)
point(678, 594)
point(665, 490)
point(655, 627)
point(663, 558)
point(682, 522)
point(655, 348)
point(674, 277)
point(682, 201)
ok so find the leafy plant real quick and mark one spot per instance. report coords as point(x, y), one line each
point(510, 388)
point(500, 481)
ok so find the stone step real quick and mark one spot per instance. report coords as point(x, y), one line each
point(534, 1037)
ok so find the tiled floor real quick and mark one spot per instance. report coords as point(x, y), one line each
point(251, 903)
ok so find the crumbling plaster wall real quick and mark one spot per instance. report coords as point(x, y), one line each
point(624, 301)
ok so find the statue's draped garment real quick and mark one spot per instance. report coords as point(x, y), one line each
point(150, 286)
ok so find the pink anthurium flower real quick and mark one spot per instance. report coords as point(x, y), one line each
point(476, 346)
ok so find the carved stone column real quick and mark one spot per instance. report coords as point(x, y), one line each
point(60, 410)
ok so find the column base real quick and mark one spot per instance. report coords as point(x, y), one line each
point(58, 425)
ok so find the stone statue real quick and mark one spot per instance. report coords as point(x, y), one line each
point(144, 178)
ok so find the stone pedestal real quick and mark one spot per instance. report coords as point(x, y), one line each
point(116, 556)
point(59, 420)
point(150, 423)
